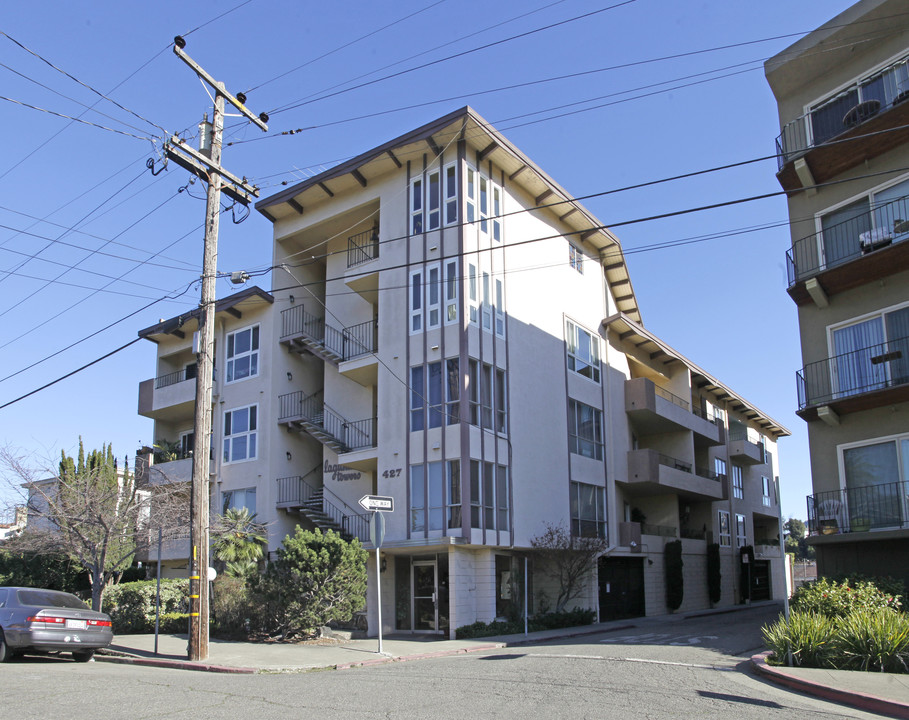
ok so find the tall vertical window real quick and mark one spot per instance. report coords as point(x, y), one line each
point(486, 396)
point(500, 308)
point(417, 385)
point(243, 354)
point(431, 493)
point(452, 391)
point(434, 394)
point(417, 499)
point(583, 351)
point(475, 494)
point(434, 201)
point(451, 291)
point(588, 510)
point(487, 303)
point(725, 531)
point(240, 434)
point(489, 499)
point(496, 212)
point(575, 258)
point(416, 301)
point(416, 206)
point(473, 294)
point(454, 493)
point(741, 539)
point(451, 194)
point(436, 486)
point(434, 391)
point(484, 203)
point(585, 430)
point(501, 422)
point(766, 497)
point(738, 484)
point(489, 495)
point(719, 467)
point(876, 475)
point(471, 199)
point(434, 296)
point(502, 497)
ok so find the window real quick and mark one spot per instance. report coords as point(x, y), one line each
point(187, 443)
point(486, 399)
point(434, 296)
point(451, 194)
point(435, 496)
point(740, 536)
point(416, 206)
point(417, 499)
point(484, 203)
point(575, 258)
point(471, 199)
point(585, 431)
point(190, 371)
point(487, 304)
point(738, 484)
point(243, 354)
point(472, 294)
point(875, 475)
point(237, 499)
point(429, 390)
point(454, 494)
point(489, 496)
point(451, 291)
point(725, 531)
point(765, 492)
point(497, 213)
point(583, 351)
point(588, 510)
point(416, 301)
point(719, 467)
point(434, 201)
point(500, 309)
point(240, 434)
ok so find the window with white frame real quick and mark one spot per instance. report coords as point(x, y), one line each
point(486, 310)
point(500, 404)
point(585, 430)
point(243, 354)
point(433, 296)
point(416, 301)
point(473, 294)
point(240, 434)
point(766, 497)
point(725, 532)
point(416, 206)
point(500, 308)
point(434, 200)
point(471, 199)
point(738, 483)
point(875, 475)
point(588, 510)
point(741, 539)
point(496, 213)
point(719, 467)
point(483, 201)
point(451, 194)
point(575, 258)
point(239, 499)
point(583, 351)
point(451, 291)
point(453, 493)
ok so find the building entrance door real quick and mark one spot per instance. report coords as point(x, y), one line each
point(621, 582)
point(425, 594)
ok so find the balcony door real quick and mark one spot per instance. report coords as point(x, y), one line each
point(871, 354)
point(875, 492)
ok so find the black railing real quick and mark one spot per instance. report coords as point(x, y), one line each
point(880, 226)
point(350, 435)
point(295, 491)
point(672, 462)
point(674, 399)
point(871, 507)
point(847, 109)
point(363, 247)
point(346, 344)
point(709, 474)
point(163, 381)
point(660, 530)
point(861, 371)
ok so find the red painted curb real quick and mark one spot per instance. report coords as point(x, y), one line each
point(177, 665)
point(862, 701)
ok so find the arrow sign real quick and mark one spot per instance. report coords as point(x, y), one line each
point(377, 503)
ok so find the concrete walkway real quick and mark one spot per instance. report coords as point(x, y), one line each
point(881, 693)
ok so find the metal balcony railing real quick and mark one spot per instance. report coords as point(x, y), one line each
point(363, 247)
point(296, 491)
point(326, 423)
point(861, 371)
point(347, 344)
point(178, 376)
point(881, 225)
point(674, 399)
point(871, 507)
point(843, 111)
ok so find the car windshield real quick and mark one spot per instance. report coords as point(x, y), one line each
point(49, 598)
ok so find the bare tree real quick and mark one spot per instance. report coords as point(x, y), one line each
point(93, 511)
point(567, 559)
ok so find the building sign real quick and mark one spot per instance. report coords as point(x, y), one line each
point(340, 473)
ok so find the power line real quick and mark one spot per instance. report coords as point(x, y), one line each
point(74, 119)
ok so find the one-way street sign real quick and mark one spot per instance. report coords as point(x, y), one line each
point(380, 503)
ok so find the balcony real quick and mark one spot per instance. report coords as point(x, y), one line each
point(363, 247)
point(867, 247)
point(308, 413)
point(322, 507)
point(859, 123)
point(743, 449)
point(655, 410)
point(653, 473)
point(872, 508)
point(859, 380)
point(304, 332)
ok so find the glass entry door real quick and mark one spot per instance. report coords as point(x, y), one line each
point(425, 596)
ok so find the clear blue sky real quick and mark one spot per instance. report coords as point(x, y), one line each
point(89, 239)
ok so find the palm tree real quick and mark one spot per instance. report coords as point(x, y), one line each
point(239, 542)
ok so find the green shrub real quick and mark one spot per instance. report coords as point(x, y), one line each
point(874, 640)
point(54, 571)
point(808, 635)
point(838, 599)
point(544, 621)
point(890, 586)
point(675, 580)
point(131, 606)
point(173, 623)
point(236, 609)
point(714, 576)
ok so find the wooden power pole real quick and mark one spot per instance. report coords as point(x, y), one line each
point(206, 164)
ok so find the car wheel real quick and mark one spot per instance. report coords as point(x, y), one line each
point(83, 655)
point(5, 652)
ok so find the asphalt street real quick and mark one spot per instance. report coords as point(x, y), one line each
point(680, 668)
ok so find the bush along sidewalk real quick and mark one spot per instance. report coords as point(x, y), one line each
point(849, 625)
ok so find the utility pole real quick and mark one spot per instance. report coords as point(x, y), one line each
point(206, 164)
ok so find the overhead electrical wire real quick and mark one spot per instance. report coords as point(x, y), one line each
point(75, 119)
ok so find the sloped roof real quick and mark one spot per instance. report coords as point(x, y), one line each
point(465, 123)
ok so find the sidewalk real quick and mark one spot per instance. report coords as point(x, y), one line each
point(882, 693)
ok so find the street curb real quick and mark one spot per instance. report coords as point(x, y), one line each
point(862, 701)
point(419, 656)
point(176, 664)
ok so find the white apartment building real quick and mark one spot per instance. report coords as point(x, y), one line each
point(449, 327)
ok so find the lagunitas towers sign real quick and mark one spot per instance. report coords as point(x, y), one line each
point(340, 473)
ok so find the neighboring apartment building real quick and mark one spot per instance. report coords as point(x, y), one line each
point(843, 95)
point(450, 328)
